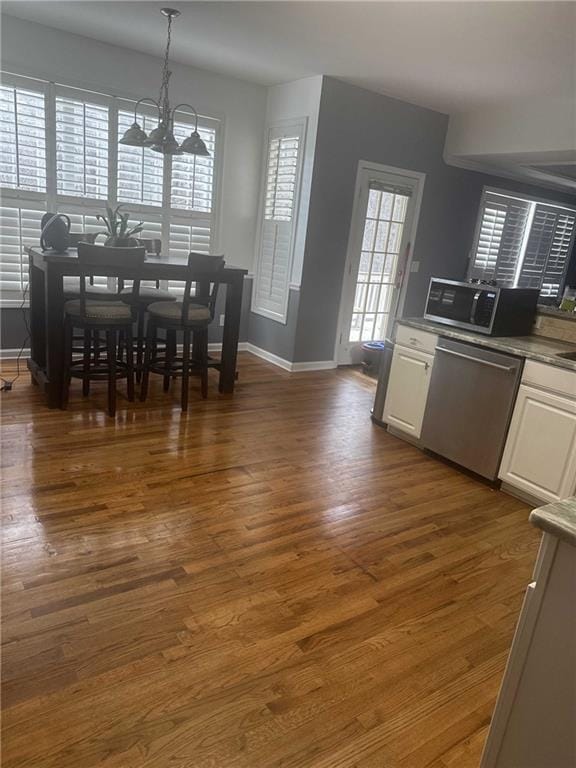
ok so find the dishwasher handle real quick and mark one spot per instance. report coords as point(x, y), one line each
point(506, 368)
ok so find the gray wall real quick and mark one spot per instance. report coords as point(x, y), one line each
point(274, 337)
point(13, 331)
point(356, 124)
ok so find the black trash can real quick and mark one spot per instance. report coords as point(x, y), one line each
point(371, 354)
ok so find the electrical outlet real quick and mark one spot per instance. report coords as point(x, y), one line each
point(221, 320)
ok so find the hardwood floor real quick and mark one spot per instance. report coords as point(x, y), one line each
point(270, 581)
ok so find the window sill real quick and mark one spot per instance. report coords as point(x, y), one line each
point(14, 304)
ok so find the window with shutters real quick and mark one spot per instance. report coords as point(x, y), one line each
point(56, 154)
point(81, 148)
point(140, 171)
point(279, 216)
point(523, 242)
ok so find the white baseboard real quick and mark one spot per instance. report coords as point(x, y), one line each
point(216, 346)
point(12, 354)
point(243, 346)
point(269, 357)
point(287, 365)
point(315, 365)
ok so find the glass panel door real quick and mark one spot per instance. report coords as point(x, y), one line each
point(378, 254)
point(382, 237)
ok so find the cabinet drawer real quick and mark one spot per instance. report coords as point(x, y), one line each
point(549, 377)
point(416, 339)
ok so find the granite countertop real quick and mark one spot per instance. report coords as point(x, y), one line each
point(533, 347)
point(542, 309)
point(558, 518)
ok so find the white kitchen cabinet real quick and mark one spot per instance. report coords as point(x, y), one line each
point(540, 454)
point(408, 390)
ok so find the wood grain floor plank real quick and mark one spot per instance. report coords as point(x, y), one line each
point(270, 581)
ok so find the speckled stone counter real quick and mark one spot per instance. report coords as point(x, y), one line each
point(555, 312)
point(559, 519)
point(538, 348)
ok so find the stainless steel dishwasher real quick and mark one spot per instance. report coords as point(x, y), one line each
point(470, 400)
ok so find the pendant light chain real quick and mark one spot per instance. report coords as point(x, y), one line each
point(163, 97)
point(161, 139)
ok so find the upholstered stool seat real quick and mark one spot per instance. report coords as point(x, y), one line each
point(191, 317)
point(172, 310)
point(105, 311)
point(97, 317)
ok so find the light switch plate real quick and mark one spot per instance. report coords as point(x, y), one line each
point(221, 320)
point(415, 266)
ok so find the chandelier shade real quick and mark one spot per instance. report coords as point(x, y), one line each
point(134, 136)
point(194, 145)
point(161, 139)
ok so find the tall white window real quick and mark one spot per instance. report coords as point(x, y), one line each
point(59, 152)
point(279, 211)
point(523, 242)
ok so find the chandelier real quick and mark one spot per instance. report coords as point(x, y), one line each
point(161, 139)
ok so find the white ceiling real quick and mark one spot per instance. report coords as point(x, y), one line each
point(450, 56)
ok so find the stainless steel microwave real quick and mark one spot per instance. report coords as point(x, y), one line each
point(482, 307)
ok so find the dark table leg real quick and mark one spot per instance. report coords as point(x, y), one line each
point(37, 316)
point(231, 334)
point(54, 336)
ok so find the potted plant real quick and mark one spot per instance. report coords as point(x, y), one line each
point(119, 234)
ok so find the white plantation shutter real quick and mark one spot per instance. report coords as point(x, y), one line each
point(81, 148)
point(283, 163)
point(503, 220)
point(23, 174)
point(523, 242)
point(547, 249)
point(19, 229)
point(185, 238)
point(140, 171)
point(56, 156)
point(22, 139)
point(193, 175)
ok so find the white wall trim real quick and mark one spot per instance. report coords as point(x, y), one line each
point(287, 365)
point(243, 346)
point(315, 365)
point(12, 354)
point(216, 346)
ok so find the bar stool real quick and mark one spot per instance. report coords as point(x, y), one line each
point(191, 317)
point(147, 295)
point(94, 316)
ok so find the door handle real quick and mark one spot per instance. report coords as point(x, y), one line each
point(506, 368)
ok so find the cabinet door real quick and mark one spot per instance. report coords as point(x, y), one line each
point(408, 390)
point(540, 452)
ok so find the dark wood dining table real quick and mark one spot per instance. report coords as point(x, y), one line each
point(47, 297)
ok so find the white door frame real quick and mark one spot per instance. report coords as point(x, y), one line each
point(365, 167)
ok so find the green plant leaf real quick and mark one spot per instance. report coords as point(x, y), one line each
point(105, 221)
point(135, 230)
